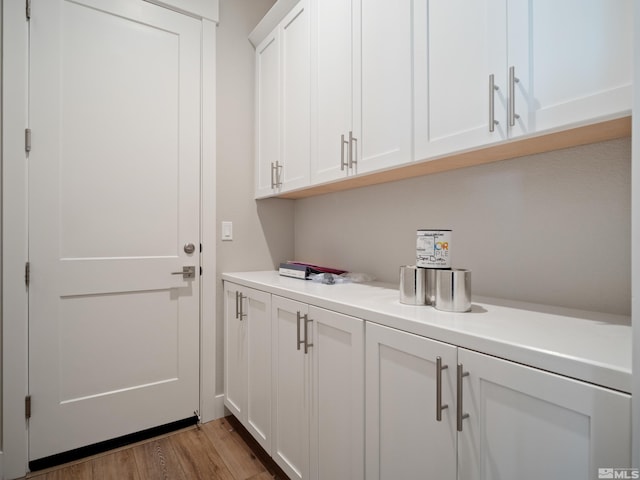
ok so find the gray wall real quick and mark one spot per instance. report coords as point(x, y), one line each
point(262, 232)
point(551, 228)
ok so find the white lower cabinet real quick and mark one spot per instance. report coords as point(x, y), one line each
point(318, 392)
point(514, 421)
point(247, 371)
point(404, 438)
point(529, 424)
point(291, 383)
point(296, 377)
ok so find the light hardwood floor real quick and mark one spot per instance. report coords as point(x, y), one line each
point(221, 449)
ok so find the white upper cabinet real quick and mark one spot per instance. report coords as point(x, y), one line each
point(573, 60)
point(490, 70)
point(361, 87)
point(331, 89)
point(296, 64)
point(459, 44)
point(383, 103)
point(267, 113)
point(282, 105)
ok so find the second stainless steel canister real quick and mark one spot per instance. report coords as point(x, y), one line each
point(412, 285)
point(453, 290)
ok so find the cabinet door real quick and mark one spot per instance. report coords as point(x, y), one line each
point(573, 60)
point(290, 389)
point(403, 437)
point(257, 322)
point(267, 112)
point(331, 87)
point(296, 130)
point(459, 44)
point(528, 424)
point(235, 353)
point(337, 420)
point(247, 350)
point(383, 104)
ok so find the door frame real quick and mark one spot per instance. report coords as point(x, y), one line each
point(14, 446)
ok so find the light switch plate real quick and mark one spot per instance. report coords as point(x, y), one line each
point(227, 231)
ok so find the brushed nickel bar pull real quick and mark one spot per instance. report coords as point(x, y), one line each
point(242, 314)
point(512, 96)
point(460, 414)
point(237, 308)
point(273, 183)
point(439, 406)
point(278, 170)
point(352, 140)
point(298, 318)
point(492, 115)
point(342, 143)
point(307, 320)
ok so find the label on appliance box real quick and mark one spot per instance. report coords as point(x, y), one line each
point(433, 249)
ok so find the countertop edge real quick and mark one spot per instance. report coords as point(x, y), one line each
point(611, 376)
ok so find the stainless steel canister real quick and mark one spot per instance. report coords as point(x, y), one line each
point(430, 293)
point(453, 290)
point(412, 285)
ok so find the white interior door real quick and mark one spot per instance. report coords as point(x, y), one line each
point(113, 198)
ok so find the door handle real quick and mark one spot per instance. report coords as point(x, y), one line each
point(187, 272)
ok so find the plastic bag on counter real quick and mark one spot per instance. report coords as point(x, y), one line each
point(332, 279)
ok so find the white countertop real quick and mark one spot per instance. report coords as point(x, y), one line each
point(590, 346)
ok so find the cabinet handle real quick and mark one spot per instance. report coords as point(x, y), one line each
point(237, 308)
point(460, 414)
point(242, 314)
point(278, 175)
point(273, 183)
point(352, 140)
point(298, 318)
point(439, 406)
point(342, 143)
point(307, 320)
point(492, 116)
point(512, 97)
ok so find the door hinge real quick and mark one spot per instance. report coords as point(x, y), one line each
point(27, 407)
point(28, 9)
point(27, 273)
point(27, 140)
